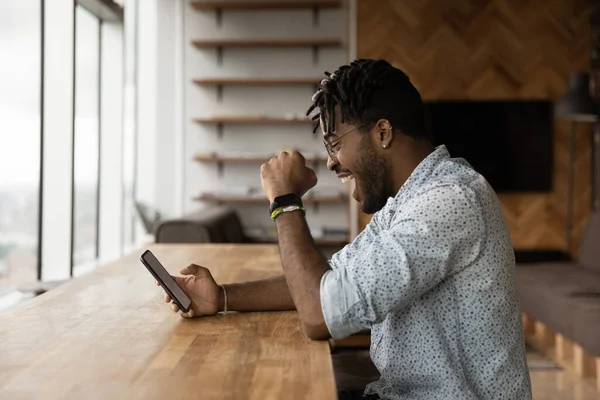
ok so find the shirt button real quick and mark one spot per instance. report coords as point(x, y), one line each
point(374, 346)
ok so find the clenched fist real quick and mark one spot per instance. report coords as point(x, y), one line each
point(285, 174)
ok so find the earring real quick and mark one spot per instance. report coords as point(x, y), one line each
point(385, 146)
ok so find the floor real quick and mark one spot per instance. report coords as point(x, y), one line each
point(353, 369)
point(551, 382)
point(561, 385)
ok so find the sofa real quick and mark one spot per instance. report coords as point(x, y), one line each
point(217, 224)
point(565, 296)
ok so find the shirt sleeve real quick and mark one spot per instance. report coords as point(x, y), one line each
point(432, 237)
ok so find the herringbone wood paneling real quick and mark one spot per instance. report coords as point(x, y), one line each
point(494, 49)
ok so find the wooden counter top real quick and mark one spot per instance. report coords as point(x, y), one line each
point(109, 335)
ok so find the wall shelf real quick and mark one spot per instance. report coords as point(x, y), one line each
point(264, 5)
point(220, 121)
point(244, 159)
point(241, 119)
point(220, 6)
point(333, 199)
point(314, 43)
point(220, 160)
point(257, 81)
point(308, 42)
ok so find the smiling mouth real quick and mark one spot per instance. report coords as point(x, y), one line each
point(345, 177)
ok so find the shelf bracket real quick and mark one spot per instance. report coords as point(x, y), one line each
point(316, 206)
point(316, 17)
point(219, 15)
point(219, 55)
point(219, 93)
point(220, 129)
point(220, 167)
point(316, 165)
point(315, 53)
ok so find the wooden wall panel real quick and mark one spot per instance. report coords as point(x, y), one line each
point(494, 49)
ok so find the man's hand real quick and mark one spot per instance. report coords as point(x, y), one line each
point(201, 288)
point(285, 174)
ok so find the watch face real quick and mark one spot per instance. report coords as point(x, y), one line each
point(286, 198)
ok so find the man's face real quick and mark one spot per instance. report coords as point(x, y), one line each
point(356, 158)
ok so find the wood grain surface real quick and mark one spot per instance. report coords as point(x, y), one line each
point(495, 50)
point(109, 335)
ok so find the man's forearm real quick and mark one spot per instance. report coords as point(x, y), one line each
point(270, 294)
point(303, 266)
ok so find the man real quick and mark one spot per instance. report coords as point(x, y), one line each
point(432, 275)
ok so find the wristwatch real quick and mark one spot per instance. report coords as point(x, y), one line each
point(285, 200)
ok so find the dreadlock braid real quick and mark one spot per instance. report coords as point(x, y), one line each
point(366, 91)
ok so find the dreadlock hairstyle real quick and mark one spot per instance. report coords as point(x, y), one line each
point(366, 91)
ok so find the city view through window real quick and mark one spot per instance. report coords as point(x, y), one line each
point(19, 141)
point(21, 144)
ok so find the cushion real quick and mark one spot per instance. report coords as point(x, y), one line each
point(538, 299)
point(565, 297)
point(563, 278)
point(180, 231)
point(586, 321)
point(218, 224)
point(589, 253)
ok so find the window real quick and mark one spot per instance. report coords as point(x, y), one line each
point(87, 137)
point(38, 149)
point(20, 88)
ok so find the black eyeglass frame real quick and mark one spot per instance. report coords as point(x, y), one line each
point(329, 146)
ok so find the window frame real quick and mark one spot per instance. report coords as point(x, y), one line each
point(58, 21)
point(87, 265)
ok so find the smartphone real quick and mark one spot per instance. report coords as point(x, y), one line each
point(166, 281)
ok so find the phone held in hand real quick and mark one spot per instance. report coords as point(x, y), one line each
point(166, 281)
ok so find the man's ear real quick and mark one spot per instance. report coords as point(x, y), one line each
point(383, 134)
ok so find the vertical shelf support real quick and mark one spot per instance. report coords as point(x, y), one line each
point(316, 17)
point(220, 167)
point(219, 15)
point(316, 205)
point(220, 129)
point(219, 93)
point(219, 55)
point(315, 54)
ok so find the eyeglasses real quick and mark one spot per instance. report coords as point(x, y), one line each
point(329, 146)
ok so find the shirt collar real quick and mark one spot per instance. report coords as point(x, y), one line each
point(423, 172)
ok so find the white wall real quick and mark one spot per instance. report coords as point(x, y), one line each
point(147, 106)
point(271, 101)
point(169, 114)
point(160, 110)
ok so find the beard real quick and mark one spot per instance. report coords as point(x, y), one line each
point(374, 182)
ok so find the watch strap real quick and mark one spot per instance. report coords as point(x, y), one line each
point(282, 210)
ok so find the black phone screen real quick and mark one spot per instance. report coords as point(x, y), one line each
point(166, 281)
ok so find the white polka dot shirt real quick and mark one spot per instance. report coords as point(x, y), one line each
point(432, 277)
